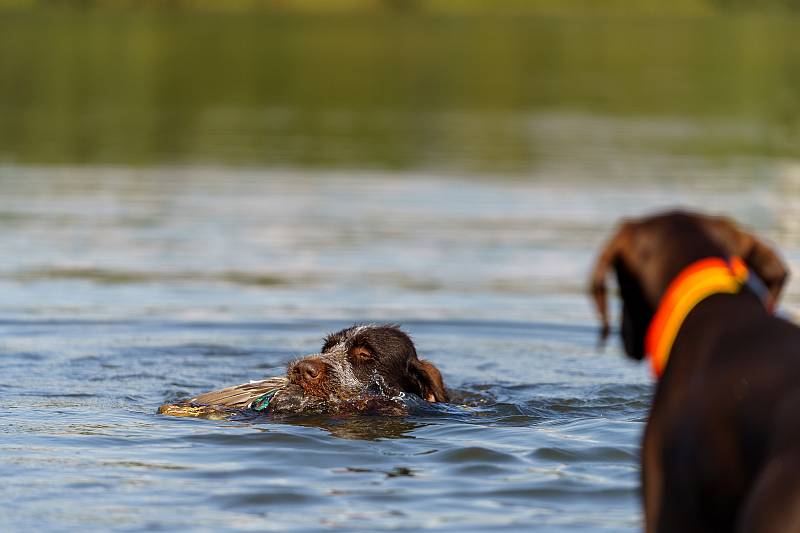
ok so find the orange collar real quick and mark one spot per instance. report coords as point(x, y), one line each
point(694, 284)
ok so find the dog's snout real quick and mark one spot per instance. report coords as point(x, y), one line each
point(308, 370)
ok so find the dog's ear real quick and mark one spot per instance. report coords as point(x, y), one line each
point(636, 312)
point(767, 265)
point(609, 256)
point(760, 257)
point(431, 386)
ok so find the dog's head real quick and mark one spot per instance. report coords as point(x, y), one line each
point(376, 358)
point(647, 253)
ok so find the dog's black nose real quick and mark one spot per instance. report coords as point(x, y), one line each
point(308, 370)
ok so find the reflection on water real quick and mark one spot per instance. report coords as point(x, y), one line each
point(367, 428)
point(378, 90)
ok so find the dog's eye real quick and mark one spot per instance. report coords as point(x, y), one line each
point(362, 354)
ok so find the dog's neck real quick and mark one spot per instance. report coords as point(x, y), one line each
point(691, 286)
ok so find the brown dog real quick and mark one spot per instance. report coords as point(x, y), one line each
point(721, 449)
point(361, 368)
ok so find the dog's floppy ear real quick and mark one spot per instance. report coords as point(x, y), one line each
point(767, 265)
point(762, 259)
point(608, 257)
point(636, 312)
point(430, 380)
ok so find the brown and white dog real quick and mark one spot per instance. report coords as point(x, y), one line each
point(360, 368)
point(721, 448)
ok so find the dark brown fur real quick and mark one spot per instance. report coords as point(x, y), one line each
point(721, 448)
point(361, 356)
point(363, 368)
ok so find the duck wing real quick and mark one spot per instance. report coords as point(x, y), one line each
point(240, 396)
point(223, 402)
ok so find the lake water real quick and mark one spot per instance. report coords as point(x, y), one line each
point(165, 232)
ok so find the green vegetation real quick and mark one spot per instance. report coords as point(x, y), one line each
point(378, 89)
point(453, 7)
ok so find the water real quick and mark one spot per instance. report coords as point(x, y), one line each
point(124, 289)
point(149, 87)
point(169, 225)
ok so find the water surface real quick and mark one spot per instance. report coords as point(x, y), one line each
point(191, 201)
point(124, 289)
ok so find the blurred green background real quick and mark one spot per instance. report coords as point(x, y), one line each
point(457, 85)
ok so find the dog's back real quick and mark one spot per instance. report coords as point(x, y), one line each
point(725, 420)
